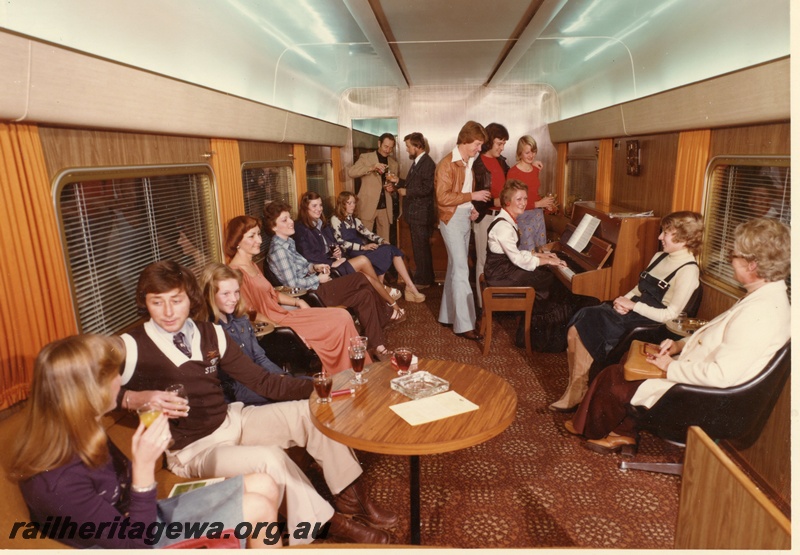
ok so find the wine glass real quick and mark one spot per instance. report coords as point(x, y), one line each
point(403, 357)
point(180, 390)
point(322, 385)
point(332, 247)
point(357, 354)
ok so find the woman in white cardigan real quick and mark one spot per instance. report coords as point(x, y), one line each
point(730, 350)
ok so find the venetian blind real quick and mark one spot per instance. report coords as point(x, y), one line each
point(115, 225)
point(738, 189)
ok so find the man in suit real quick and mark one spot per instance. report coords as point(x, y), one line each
point(418, 207)
point(378, 173)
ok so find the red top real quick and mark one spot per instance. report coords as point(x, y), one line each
point(498, 177)
point(531, 179)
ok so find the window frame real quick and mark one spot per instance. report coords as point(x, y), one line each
point(716, 280)
point(80, 175)
point(293, 200)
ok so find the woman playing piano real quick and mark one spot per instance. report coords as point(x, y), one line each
point(662, 293)
point(506, 265)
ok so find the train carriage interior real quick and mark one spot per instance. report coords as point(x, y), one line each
point(132, 132)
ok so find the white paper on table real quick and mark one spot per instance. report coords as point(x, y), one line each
point(430, 409)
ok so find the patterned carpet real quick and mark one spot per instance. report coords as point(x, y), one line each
point(533, 485)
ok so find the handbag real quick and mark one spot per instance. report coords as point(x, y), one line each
point(637, 367)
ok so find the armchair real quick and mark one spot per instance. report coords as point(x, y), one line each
point(736, 413)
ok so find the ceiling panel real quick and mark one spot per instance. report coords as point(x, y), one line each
point(445, 63)
point(437, 21)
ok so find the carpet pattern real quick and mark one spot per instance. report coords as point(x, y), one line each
point(533, 485)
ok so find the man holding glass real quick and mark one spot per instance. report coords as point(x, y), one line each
point(213, 438)
point(378, 173)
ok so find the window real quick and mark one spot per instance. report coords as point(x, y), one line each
point(581, 177)
point(116, 222)
point(264, 182)
point(319, 176)
point(738, 189)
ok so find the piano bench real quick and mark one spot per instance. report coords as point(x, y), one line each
point(505, 299)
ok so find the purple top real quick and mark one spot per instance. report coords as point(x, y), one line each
point(95, 506)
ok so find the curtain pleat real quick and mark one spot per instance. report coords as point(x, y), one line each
point(227, 167)
point(604, 162)
point(35, 306)
point(690, 168)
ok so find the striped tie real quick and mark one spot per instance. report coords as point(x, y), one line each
point(180, 342)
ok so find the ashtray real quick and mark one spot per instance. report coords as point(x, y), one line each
point(420, 384)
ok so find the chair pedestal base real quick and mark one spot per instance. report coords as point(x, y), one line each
point(664, 468)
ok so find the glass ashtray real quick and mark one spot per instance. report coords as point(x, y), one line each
point(420, 384)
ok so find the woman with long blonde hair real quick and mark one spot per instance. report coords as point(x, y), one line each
point(67, 467)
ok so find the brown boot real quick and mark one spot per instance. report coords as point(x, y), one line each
point(353, 531)
point(353, 500)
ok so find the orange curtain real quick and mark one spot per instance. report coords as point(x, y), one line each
point(227, 166)
point(604, 161)
point(338, 172)
point(35, 301)
point(300, 180)
point(690, 169)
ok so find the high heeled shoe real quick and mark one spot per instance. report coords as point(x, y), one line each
point(398, 314)
point(395, 294)
point(414, 297)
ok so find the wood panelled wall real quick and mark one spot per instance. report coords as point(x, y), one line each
point(652, 188)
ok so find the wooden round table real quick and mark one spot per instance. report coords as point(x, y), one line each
point(365, 421)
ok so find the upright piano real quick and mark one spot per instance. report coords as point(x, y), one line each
point(619, 249)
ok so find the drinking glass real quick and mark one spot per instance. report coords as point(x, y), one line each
point(403, 357)
point(148, 412)
point(359, 340)
point(680, 320)
point(322, 385)
point(357, 354)
point(180, 390)
point(332, 247)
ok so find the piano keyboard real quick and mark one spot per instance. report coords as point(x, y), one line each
point(566, 271)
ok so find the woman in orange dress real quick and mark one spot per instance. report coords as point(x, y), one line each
point(326, 330)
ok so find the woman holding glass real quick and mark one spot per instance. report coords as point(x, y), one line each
point(531, 224)
point(67, 466)
point(730, 350)
point(315, 240)
point(326, 330)
point(356, 240)
point(354, 291)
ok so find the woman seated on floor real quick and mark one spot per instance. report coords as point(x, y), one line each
point(356, 240)
point(326, 330)
point(353, 290)
point(315, 241)
point(594, 331)
point(730, 350)
point(68, 468)
point(221, 286)
point(506, 265)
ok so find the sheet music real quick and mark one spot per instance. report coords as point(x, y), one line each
point(584, 231)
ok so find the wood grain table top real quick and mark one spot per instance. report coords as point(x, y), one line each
point(365, 421)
